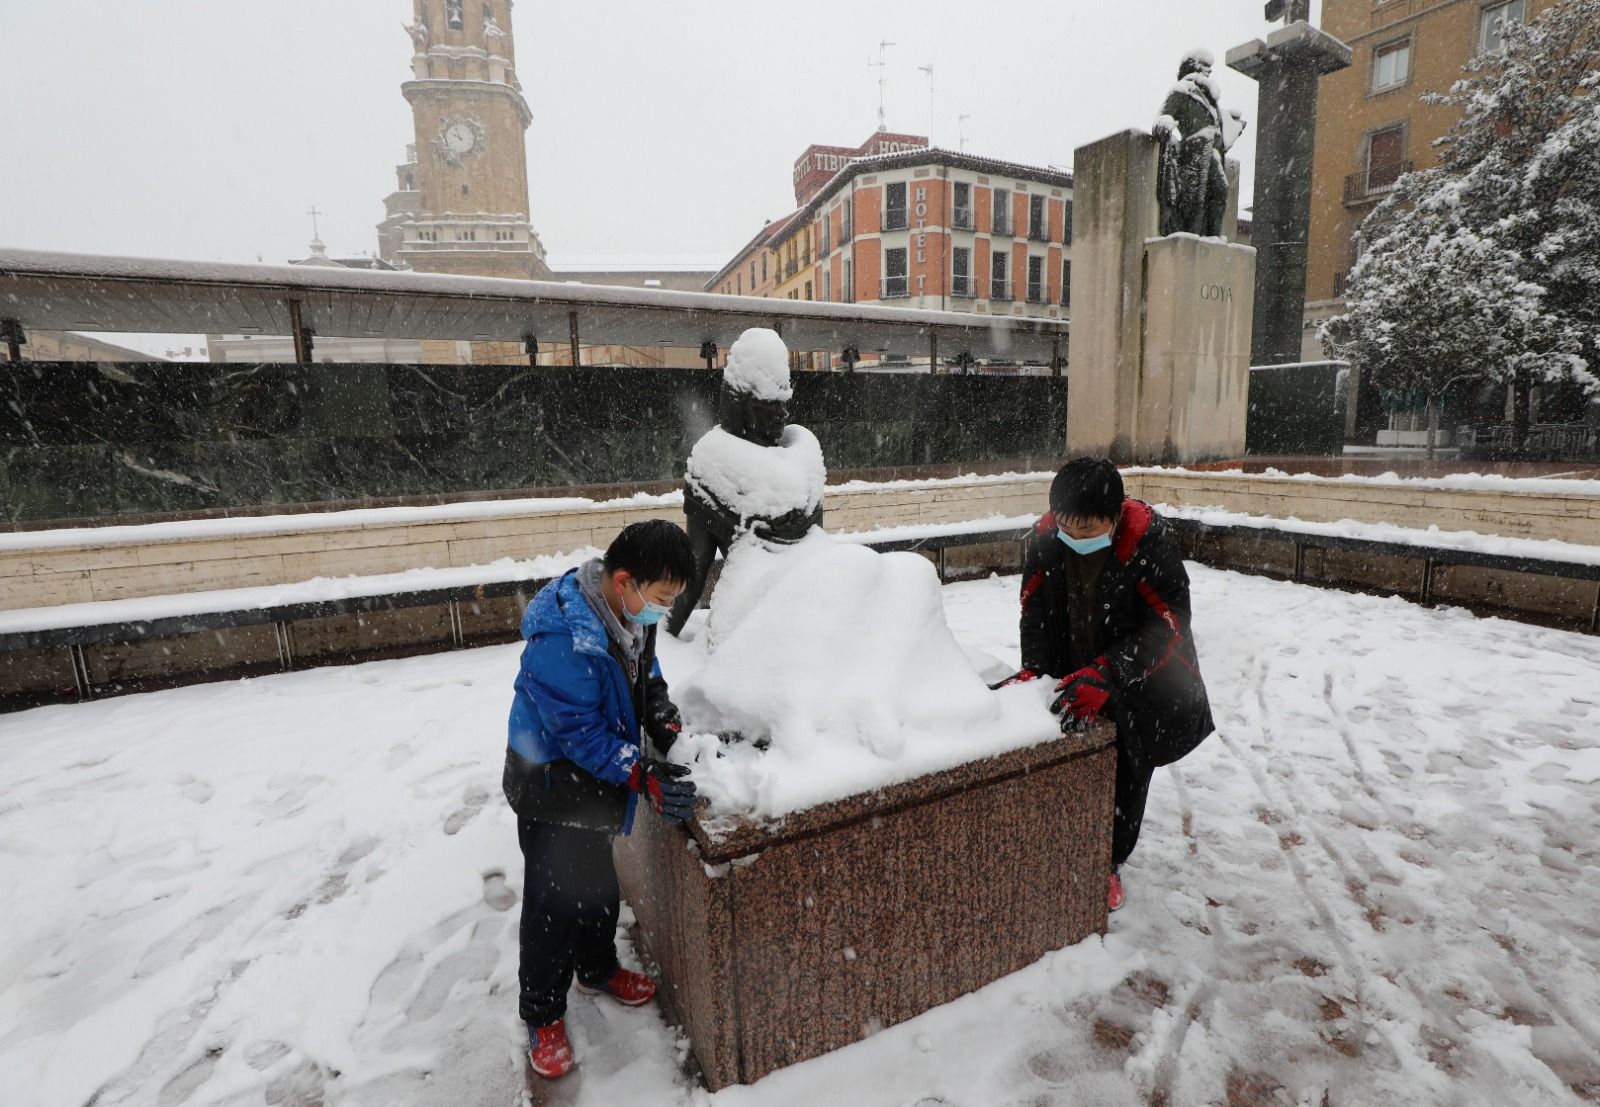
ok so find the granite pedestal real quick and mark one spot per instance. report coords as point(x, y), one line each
point(780, 941)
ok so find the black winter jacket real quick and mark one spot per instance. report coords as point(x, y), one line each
point(1159, 699)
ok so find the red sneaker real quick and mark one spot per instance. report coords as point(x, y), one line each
point(1114, 896)
point(549, 1052)
point(631, 989)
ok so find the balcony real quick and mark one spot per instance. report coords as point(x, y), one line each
point(1374, 182)
point(894, 219)
point(961, 219)
point(1038, 294)
point(963, 288)
point(1000, 226)
point(896, 288)
point(1039, 232)
point(1341, 285)
point(790, 268)
point(1000, 289)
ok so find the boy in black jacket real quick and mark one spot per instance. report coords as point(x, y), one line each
point(1105, 611)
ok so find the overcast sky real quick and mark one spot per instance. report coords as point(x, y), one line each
point(662, 129)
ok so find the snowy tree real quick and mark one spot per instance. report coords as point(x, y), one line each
point(1487, 265)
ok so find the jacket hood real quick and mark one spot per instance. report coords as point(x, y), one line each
point(559, 608)
point(1136, 520)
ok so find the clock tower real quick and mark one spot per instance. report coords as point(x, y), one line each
point(462, 201)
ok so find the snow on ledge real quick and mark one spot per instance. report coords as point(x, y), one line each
point(1454, 482)
point(1539, 549)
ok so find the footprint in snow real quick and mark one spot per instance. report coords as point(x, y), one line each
point(495, 892)
point(472, 801)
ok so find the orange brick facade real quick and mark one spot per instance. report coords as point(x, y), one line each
point(918, 229)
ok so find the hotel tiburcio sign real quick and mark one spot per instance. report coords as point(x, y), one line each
point(818, 164)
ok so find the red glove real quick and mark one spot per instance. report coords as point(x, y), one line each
point(663, 784)
point(1084, 694)
point(1021, 676)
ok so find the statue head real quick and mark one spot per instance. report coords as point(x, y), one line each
point(1198, 60)
point(753, 403)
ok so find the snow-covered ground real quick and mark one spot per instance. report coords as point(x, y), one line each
point(1378, 883)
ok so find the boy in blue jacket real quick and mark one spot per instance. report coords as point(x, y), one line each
point(589, 725)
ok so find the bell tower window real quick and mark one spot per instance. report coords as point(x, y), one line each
point(452, 12)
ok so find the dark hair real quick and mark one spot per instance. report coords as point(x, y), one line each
point(1087, 488)
point(652, 550)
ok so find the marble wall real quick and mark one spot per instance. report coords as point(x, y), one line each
point(94, 440)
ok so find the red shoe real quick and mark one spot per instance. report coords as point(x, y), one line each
point(631, 989)
point(549, 1052)
point(1114, 896)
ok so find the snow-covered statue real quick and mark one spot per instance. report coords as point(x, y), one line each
point(1195, 133)
point(754, 472)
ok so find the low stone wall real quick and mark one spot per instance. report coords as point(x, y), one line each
point(780, 942)
point(45, 569)
point(1570, 518)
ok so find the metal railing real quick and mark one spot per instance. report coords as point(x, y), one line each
point(896, 288)
point(1000, 225)
point(999, 290)
point(894, 219)
point(1374, 181)
point(1039, 232)
point(961, 219)
point(1037, 294)
point(963, 287)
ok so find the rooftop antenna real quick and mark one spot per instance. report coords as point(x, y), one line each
point(928, 69)
point(882, 67)
point(961, 124)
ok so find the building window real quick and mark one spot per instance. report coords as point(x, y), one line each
point(846, 210)
point(849, 283)
point(452, 14)
point(894, 212)
point(1391, 65)
point(827, 287)
point(1066, 282)
point(1067, 234)
point(999, 287)
point(961, 272)
point(895, 280)
point(1001, 223)
point(808, 290)
point(1492, 23)
point(1038, 220)
point(488, 13)
point(1036, 280)
point(1384, 159)
point(827, 234)
point(763, 267)
point(961, 216)
point(738, 284)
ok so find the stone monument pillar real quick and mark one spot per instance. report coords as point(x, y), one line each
point(1160, 357)
point(1286, 68)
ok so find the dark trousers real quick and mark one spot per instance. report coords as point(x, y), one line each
point(1133, 789)
point(569, 915)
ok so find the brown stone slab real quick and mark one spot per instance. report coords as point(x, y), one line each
point(779, 941)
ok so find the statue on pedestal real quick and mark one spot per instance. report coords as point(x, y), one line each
point(754, 472)
point(1195, 133)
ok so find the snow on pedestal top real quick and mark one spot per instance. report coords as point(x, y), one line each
point(759, 481)
point(758, 364)
point(843, 659)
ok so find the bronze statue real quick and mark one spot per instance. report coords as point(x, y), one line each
point(1195, 134)
point(753, 472)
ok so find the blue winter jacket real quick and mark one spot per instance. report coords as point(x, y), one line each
point(572, 697)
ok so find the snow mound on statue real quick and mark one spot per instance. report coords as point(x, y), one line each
point(759, 481)
point(758, 363)
point(840, 657)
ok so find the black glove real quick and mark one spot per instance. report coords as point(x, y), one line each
point(1083, 695)
point(664, 726)
point(664, 784)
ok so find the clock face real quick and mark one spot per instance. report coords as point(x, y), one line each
point(460, 138)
